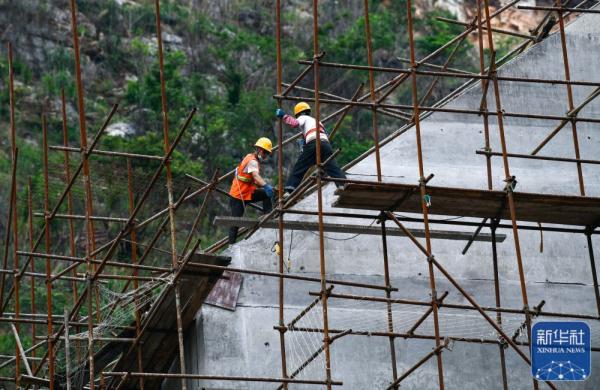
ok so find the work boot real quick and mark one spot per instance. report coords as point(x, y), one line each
point(288, 192)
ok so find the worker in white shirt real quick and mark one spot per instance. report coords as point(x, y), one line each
point(308, 157)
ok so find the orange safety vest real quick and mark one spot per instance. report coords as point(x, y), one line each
point(242, 186)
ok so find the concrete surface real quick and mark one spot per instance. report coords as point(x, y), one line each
point(244, 342)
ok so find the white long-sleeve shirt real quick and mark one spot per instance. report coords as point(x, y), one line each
point(308, 125)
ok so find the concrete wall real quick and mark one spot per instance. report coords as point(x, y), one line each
point(244, 342)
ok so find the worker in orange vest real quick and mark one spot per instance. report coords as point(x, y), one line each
point(308, 157)
point(248, 186)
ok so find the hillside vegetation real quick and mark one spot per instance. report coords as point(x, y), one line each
point(220, 58)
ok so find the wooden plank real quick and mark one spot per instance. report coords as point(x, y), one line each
point(531, 207)
point(226, 291)
point(226, 221)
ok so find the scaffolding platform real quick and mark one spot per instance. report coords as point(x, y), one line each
point(356, 229)
point(158, 342)
point(530, 207)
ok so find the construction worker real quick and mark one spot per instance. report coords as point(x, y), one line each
point(248, 186)
point(308, 155)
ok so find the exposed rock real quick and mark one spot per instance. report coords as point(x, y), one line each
point(126, 2)
point(171, 38)
point(120, 129)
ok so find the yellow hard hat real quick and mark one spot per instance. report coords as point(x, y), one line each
point(302, 106)
point(265, 144)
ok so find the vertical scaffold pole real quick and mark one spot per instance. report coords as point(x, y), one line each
point(388, 295)
point(422, 186)
point(72, 248)
point(89, 209)
point(565, 54)
point(66, 161)
point(13, 145)
point(166, 142)
point(48, 245)
point(498, 303)
point(508, 178)
point(280, 222)
point(134, 260)
point(324, 292)
point(372, 90)
point(32, 266)
point(590, 246)
point(488, 161)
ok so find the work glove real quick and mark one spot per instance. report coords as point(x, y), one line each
point(268, 190)
point(279, 113)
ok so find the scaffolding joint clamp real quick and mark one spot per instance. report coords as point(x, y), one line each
point(448, 344)
point(494, 222)
point(511, 184)
point(326, 292)
point(425, 180)
point(320, 170)
point(439, 301)
point(538, 309)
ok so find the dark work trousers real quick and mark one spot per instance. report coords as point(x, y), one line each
point(307, 159)
point(237, 209)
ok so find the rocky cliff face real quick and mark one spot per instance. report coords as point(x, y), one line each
point(113, 31)
point(219, 56)
point(512, 20)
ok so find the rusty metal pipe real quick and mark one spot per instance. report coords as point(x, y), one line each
point(436, 351)
point(450, 110)
point(109, 153)
point(13, 210)
point(508, 179)
point(66, 163)
point(565, 55)
point(220, 378)
point(372, 90)
point(134, 260)
point(559, 9)
point(47, 243)
point(280, 221)
point(460, 75)
point(538, 157)
point(498, 30)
